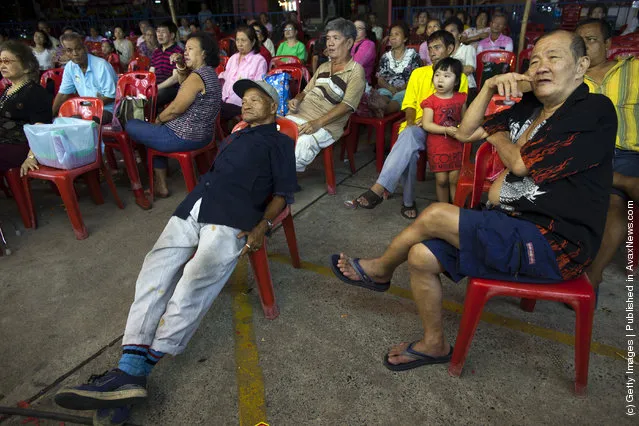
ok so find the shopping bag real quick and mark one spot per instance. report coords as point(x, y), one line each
point(280, 82)
point(129, 108)
point(68, 143)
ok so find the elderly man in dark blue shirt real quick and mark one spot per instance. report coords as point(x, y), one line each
point(225, 216)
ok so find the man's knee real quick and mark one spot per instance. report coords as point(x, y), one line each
point(413, 136)
point(421, 260)
point(434, 215)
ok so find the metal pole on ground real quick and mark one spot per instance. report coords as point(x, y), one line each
point(522, 33)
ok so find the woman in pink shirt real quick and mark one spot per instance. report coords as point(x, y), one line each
point(364, 51)
point(246, 63)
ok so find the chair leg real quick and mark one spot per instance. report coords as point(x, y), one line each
point(126, 148)
point(15, 184)
point(65, 186)
point(527, 305)
point(379, 145)
point(461, 195)
point(584, 309)
point(186, 163)
point(92, 180)
point(473, 306)
point(29, 200)
point(106, 172)
point(291, 241)
point(348, 144)
point(149, 167)
point(328, 169)
point(259, 262)
point(111, 158)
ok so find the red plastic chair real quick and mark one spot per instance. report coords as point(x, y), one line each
point(495, 57)
point(296, 73)
point(132, 84)
point(228, 45)
point(141, 63)
point(259, 259)
point(87, 109)
point(379, 124)
point(524, 55)
point(616, 52)
point(16, 190)
point(534, 28)
point(55, 75)
point(310, 46)
point(284, 60)
point(203, 158)
point(465, 182)
point(570, 15)
point(578, 293)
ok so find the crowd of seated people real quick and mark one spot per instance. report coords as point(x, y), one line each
point(402, 82)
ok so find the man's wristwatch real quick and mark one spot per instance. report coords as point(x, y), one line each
point(31, 157)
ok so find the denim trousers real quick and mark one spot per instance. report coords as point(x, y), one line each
point(174, 290)
point(161, 138)
point(401, 163)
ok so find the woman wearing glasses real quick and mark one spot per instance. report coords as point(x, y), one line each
point(291, 46)
point(23, 102)
point(364, 51)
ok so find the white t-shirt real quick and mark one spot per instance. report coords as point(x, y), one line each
point(45, 58)
point(468, 57)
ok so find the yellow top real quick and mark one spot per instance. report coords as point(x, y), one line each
point(621, 85)
point(420, 86)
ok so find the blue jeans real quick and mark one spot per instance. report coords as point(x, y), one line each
point(160, 138)
point(401, 163)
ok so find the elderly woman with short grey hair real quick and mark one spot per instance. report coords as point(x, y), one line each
point(322, 109)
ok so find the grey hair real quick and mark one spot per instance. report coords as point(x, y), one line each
point(347, 28)
point(71, 37)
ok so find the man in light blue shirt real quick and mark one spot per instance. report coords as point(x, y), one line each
point(86, 75)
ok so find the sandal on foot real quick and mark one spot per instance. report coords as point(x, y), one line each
point(406, 209)
point(419, 359)
point(372, 200)
point(365, 280)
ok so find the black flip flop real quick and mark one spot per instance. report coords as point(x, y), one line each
point(420, 359)
point(366, 281)
point(406, 208)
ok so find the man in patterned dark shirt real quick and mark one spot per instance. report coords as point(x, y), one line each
point(547, 209)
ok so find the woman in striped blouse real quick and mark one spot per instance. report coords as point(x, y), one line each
point(188, 122)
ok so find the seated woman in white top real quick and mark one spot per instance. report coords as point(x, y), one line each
point(43, 50)
point(123, 46)
point(464, 53)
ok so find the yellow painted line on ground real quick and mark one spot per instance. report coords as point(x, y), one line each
point(250, 382)
point(488, 317)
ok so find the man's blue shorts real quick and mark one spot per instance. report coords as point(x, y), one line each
point(625, 163)
point(496, 246)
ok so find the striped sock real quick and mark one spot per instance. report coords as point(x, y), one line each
point(133, 359)
point(152, 358)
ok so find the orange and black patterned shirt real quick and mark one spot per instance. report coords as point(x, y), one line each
point(569, 161)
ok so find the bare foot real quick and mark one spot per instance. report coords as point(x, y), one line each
point(368, 265)
point(396, 356)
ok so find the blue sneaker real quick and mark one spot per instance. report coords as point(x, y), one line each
point(111, 416)
point(112, 389)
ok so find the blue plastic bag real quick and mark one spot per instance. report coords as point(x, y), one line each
point(68, 143)
point(280, 82)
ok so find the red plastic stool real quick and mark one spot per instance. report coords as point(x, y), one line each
point(379, 124)
point(331, 186)
point(203, 158)
point(578, 293)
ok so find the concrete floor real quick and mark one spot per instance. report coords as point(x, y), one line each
point(64, 304)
